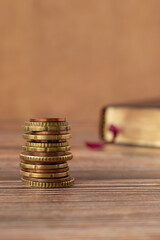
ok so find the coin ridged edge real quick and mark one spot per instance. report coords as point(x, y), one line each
point(47, 145)
point(43, 167)
point(45, 128)
point(47, 137)
point(50, 159)
point(43, 124)
point(39, 149)
point(44, 175)
point(49, 184)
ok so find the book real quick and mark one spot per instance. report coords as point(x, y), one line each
point(136, 124)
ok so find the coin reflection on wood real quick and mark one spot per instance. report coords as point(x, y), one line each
point(44, 160)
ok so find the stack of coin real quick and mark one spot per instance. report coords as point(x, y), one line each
point(45, 154)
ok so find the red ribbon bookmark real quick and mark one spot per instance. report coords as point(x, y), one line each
point(96, 146)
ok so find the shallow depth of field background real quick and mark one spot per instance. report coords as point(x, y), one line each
point(71, 57)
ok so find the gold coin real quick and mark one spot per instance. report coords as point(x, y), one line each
point(47, 144)
point(62, 179)
point(46, 124)
point(45, 128)
point(43, 167)
point(45, 171)
point(68, 183)
point(44, 175)
point(42, 162)
point(55, 149)
point(47, 137)
point(47, 119)
point(66, 157)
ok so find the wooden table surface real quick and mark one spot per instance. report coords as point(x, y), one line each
point(116, 194)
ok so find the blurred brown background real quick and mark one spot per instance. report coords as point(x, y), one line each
point(71, 57)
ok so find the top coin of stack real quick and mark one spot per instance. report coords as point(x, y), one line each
point(44, 160)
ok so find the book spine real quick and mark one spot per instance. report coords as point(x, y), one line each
point(102, 123)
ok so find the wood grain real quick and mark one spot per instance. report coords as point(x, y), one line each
point(116, 194)
point(67, 57)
